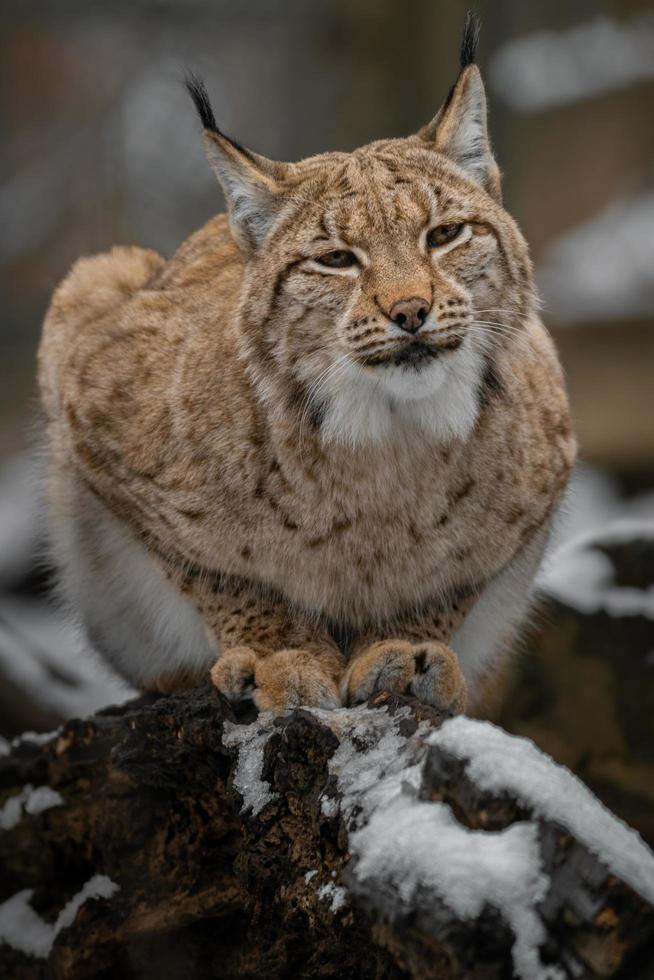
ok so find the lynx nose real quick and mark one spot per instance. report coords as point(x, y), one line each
point(410, 314)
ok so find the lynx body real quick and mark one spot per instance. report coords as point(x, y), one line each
point(318, 451)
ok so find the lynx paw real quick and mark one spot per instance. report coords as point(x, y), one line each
point(429, 671)
point(233, 673)
point(282, 680)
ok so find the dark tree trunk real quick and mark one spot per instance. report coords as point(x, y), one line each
point(235, 872)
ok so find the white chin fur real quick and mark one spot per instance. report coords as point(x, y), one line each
point(442, 398)
point(407, 384)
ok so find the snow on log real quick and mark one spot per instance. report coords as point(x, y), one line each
point(170, 839)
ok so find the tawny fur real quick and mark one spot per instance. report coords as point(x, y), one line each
point(237, 478)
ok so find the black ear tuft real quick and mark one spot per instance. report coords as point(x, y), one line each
point(198, 92)
point(469, 40)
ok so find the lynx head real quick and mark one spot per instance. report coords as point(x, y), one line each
point(379, 284)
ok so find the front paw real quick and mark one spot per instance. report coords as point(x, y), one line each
point(429, 671)
point(233, 673)
point(281, 680)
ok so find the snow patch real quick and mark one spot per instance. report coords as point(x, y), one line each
point(25, 931)
point(30, 800)
point(99, 886)
point(497, 761)
point(576, 571)
point(42, 798)
point(34, 738)
point(329, 806)
point(415, 845)
point(371, 757)
point(412, 845)
point(310, 874)
point(334, 894)
point(250, 740)
point(584, 578)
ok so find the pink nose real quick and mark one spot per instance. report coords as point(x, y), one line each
point(410, 314)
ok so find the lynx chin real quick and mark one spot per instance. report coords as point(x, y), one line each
point(316, 453)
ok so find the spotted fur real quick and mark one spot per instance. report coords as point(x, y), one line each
point(253, 465)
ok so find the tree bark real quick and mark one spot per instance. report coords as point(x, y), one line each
point(235, 871)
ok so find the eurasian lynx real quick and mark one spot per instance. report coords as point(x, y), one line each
point(317, 452)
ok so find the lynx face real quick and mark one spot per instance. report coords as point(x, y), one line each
point(379, 282)
point(396, 260)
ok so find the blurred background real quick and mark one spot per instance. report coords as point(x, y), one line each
point(101, 146)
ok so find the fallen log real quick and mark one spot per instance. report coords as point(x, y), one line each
point(168, 839)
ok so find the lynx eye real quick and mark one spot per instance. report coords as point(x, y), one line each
point(443, 235)
point(340, 258)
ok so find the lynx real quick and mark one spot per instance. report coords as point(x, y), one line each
point(316, 454)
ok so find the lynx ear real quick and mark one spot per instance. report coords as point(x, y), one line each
point(252, 184)
point(460, 129)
